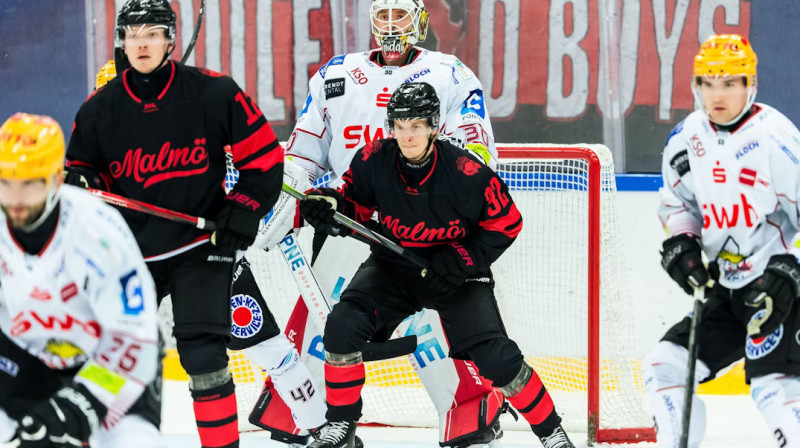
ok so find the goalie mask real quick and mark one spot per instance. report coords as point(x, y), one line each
point(397, 25)
point(156, 13)
point(722, 56)
point(31, 149)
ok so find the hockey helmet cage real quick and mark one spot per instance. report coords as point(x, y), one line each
point(393, 39)
point(413, 100)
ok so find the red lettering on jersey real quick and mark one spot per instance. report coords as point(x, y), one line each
point(420, 233)
point(369, 150)
point(383, 98)
point(697, 146)
point(475, 134)
point(23, 324)
point(358, 76)
point(719, 175)
point(725, 217)
point(40, 294)
point(354, 134)
point(169, 163)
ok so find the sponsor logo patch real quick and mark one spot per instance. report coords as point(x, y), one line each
point(336, 60)
point(8, 366)
point(417, 75)
point(680, 163)
point(756, 348)
point(132, 297)
point(334, 87)
point(474, 104)
point(246, 316)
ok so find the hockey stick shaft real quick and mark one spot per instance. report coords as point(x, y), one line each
point(319, 308)
point(144, 207)
point(366, 233)
point(197, 26)
point(688, 397)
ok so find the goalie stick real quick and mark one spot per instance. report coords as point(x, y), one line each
point(144, 207)
point(319, 308)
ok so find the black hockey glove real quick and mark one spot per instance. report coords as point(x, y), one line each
point(451, 266)
point(774, 292)
point(65, 420)
point(682, 259)
point(318, 208)
point(237, 221)
point(83, 177)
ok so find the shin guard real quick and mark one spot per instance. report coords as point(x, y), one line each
point(272, 413)
point(215, 412)
point(343, 384)
point(529, 396)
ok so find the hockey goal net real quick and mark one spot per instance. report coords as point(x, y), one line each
point(562, 291)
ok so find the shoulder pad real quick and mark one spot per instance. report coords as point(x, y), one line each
point(336, 60)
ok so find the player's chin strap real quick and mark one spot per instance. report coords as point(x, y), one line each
point(49, 205)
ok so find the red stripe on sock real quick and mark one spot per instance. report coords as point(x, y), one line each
point(343, 397)
point(541, 411)
point(344, 374)
point(527, 395)
point(220, 436)
point(208, 409)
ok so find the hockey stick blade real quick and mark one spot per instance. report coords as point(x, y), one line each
point(197, 26)
point(376, 351)
point(357, 227)
point(150, 209)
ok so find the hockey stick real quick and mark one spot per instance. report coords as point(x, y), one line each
point(144, 207)
point(319, 308)
point(375, 237)
point(197, 26)
point(688, 396)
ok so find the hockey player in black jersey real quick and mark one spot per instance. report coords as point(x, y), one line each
point(440, 203)
point(156, 133)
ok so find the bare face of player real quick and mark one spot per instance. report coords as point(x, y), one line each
point(394, 22)
point(145, 46)
point(22, 201)
point(723, 98)
point(413, 137)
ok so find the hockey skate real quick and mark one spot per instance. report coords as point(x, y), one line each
point(341, 434)
point(558, 439)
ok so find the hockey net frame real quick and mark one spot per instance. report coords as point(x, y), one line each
point(590, 167)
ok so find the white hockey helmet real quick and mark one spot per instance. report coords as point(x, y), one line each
point(395, 35)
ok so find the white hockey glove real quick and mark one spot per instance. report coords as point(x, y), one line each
point(284, 215)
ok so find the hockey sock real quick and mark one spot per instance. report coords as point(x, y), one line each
point(529, 396)
point(343, 386)
point(777, 397)
point(215, 412)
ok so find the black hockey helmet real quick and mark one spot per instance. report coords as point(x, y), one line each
point(413, 100)
point(138, 12)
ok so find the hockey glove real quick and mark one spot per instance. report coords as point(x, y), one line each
point(682, 259)
point(237, 221)
point(451, 266)
point(318, 209)
point(65, 420)
point(84, 178)
point(774, 293)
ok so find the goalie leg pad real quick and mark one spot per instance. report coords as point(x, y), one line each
point(777, 397)
point(272, 414)
point(475, 422)
point(664, 372)
point(291, 380)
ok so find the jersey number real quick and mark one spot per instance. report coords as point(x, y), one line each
point(496, 197)
point(252, 111)
point(304, 392)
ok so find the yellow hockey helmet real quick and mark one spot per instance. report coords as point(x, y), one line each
point(106, 74)
point(724, 55)
point(31, 147)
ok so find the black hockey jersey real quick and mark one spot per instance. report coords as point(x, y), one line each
point(454, 198)
point(170, 151)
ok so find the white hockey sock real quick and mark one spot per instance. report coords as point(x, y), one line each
point(292, 380)
point(777, 397)
point(8, 426)
point(664, 371)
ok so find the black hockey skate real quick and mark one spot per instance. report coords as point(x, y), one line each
point(558, 439)
point(340, 434)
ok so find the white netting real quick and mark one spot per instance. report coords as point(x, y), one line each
point(542, 290)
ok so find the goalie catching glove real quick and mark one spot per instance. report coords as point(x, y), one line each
point(65, 420)
point(451, 266)
point(682, 258)
point(775, 292)
point(238, 221)
point(318, 209)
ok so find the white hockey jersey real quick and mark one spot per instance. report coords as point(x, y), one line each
point(87, 299)
point(739, 191)
point(346, 107)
